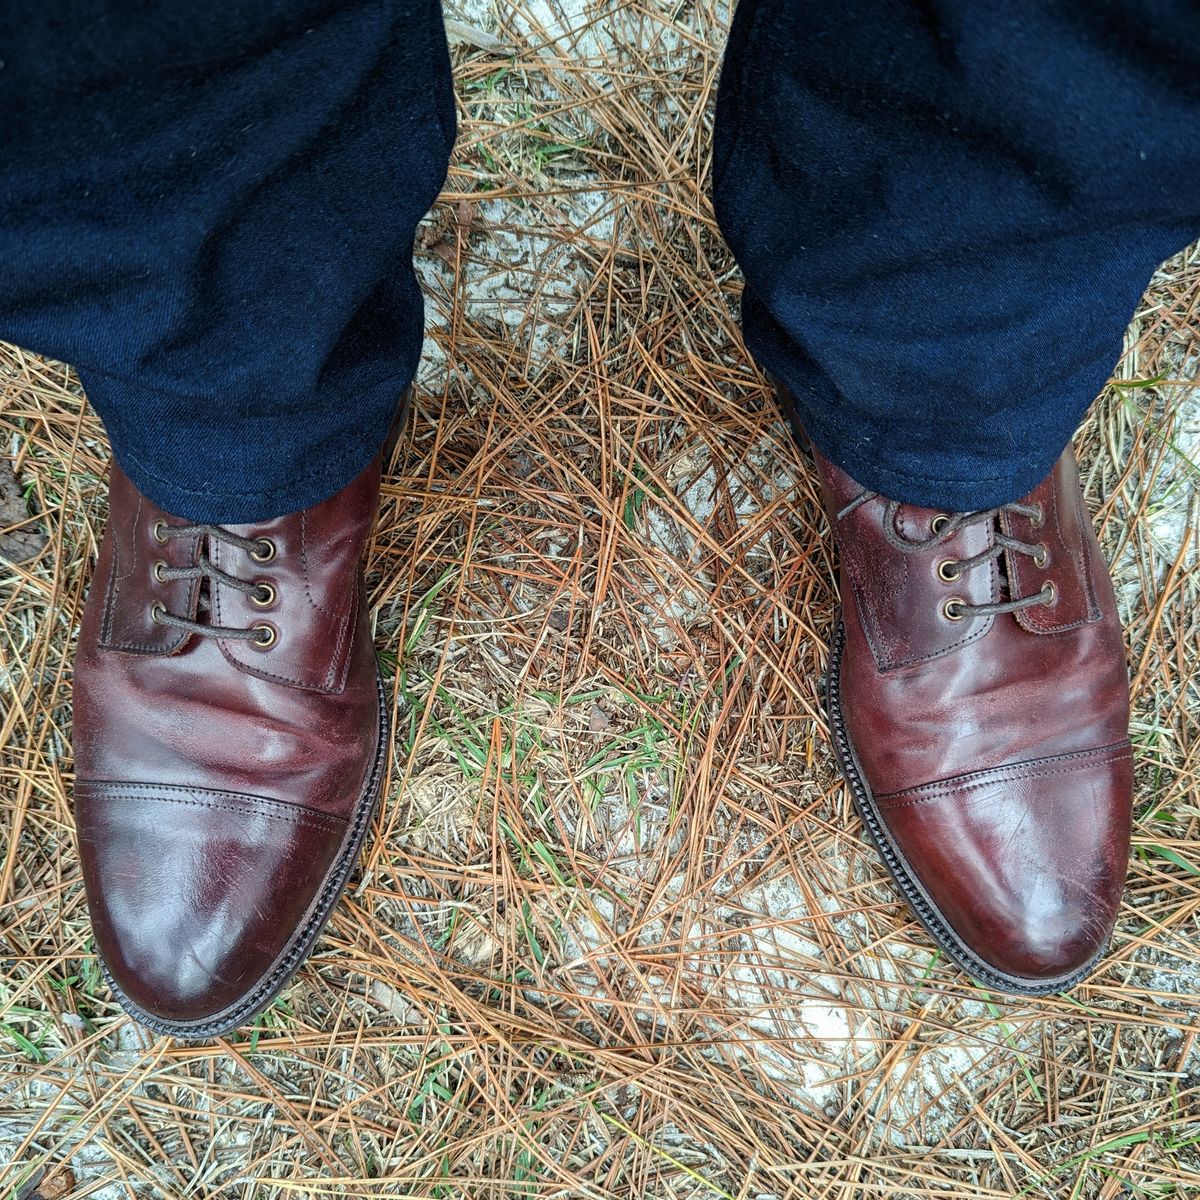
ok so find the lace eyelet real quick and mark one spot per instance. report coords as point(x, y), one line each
point(264, 551)
point(954, 609)
point(948, 571)
point(158, 531)
point(1042, 558)
point(938, 523)
point(159, 568)
point(264, 595)
point(268, 635)
point(1040, 519)
point(156, 612)
point(1049, 594)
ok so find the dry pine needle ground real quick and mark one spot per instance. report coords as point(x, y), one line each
point(616, 933)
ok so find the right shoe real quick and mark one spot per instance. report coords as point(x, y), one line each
point(979, 701)
point(231, 734)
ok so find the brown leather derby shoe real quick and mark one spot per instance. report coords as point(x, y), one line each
point(979, 701)
point(230, 742)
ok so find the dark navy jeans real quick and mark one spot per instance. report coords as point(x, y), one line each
point(945, 214)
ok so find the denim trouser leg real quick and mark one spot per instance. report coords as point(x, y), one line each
point(209, 210)
point(946, 213)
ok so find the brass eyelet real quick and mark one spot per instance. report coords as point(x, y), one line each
point(1049, 594)
point(1042, 557)
point(1040, 519)
point(159, 532)
point(156, 612)
point(954, 609)
point(268, 635)
point(948, 571)
point(264, 594)
point(265, 553)
point(159, 568)
point(938, 523)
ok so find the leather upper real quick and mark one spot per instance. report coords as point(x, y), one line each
point(927, 697)
point(995, 745)
point(175, 872)
point(217, 780)
point(295, 722)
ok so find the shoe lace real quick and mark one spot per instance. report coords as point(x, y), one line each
point(261, 593)
point(944, 526)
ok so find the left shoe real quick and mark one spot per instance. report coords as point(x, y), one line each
point(979, 702)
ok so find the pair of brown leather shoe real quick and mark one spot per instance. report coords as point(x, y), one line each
point(231, 733)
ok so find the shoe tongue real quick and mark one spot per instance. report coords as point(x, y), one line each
point(204, 601)
point(1001, 564)
point(204, 585)
point(916, 524)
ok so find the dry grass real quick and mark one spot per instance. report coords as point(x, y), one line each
point(617, 933)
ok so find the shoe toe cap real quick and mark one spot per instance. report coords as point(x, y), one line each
point(1047, 934)
point(199, 898)
point(1026, 864)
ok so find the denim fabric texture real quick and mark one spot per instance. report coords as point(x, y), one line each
point(945, 214)
point(209, 210)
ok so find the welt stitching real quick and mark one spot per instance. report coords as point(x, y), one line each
point(927, 912)
point(302, 942)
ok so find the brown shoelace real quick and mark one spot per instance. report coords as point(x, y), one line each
point(945, 526)
point(261, 593)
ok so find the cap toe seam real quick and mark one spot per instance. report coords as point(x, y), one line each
point(1065, 764)
point(264, 806)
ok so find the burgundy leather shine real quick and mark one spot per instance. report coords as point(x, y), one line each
point(993, 748)
point(220, 786)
